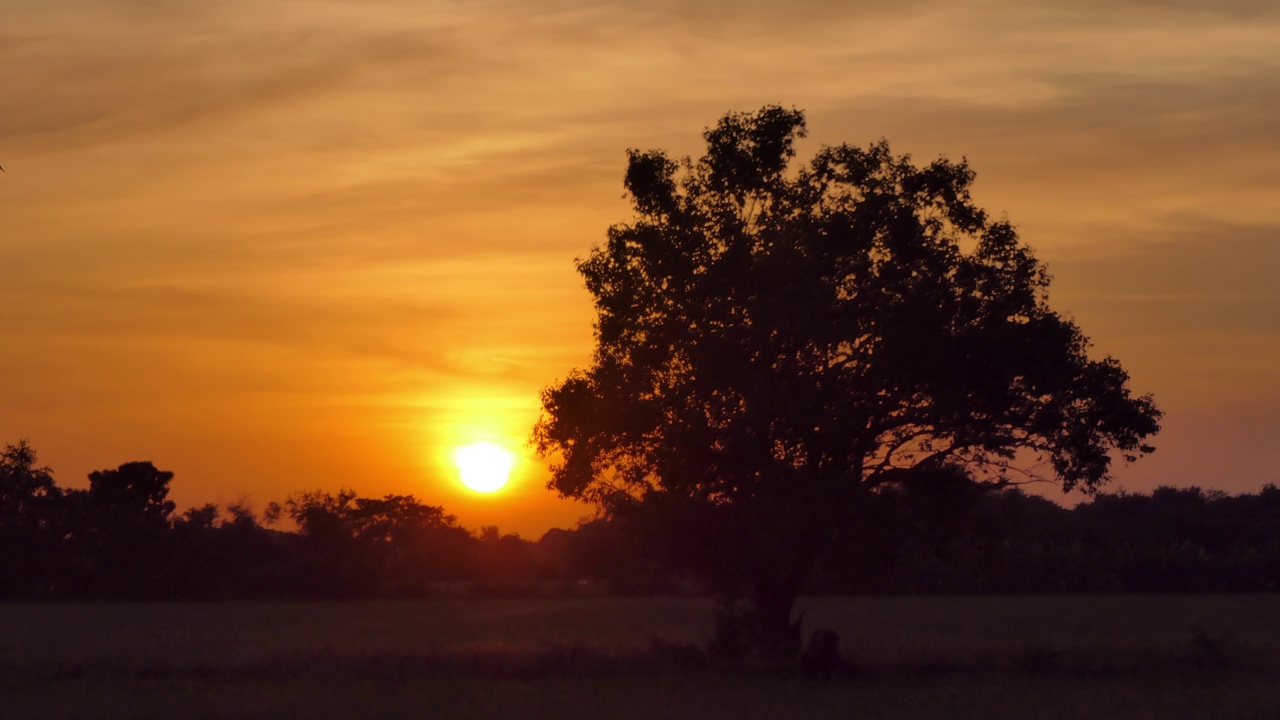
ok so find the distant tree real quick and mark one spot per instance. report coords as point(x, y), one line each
point(121, 530)
point(136, 493)
point(505, 563)
point(619, 552)
point(225, 553)
point(24, 485)
point(29, 534)
point(363, 519)
point(373, 546)
point(773, 343)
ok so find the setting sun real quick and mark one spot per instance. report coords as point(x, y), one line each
point(484, 466)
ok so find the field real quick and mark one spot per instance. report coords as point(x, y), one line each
point(916, 657)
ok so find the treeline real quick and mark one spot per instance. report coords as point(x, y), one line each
point(960, 539)
point(122, 538)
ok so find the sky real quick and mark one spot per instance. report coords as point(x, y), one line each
point(276, 245)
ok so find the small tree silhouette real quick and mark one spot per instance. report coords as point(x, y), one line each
point(29, 536)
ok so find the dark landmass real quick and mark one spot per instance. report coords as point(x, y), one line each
point(122, 538)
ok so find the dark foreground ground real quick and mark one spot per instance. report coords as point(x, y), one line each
point(936, 657)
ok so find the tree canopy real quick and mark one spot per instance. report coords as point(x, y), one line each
point(775, 340)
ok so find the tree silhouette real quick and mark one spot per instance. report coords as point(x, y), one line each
point(128, 512)
point(135, 494)
point(356, 546)
point(774, 343)
point(29, 536)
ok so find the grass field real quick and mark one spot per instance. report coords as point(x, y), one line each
point(934, 657)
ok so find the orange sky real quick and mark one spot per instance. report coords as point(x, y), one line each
point(279, 245)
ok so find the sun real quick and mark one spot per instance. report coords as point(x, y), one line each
point(484, 466)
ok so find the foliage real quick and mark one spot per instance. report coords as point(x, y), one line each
point(920, 535)
point(24, 487)
point(134, 493)
point(29, 537)
point(389, 546)
point(774, 342)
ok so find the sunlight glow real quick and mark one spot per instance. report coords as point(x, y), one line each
point(484, 466)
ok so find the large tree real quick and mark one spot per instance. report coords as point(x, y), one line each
point(776, 341)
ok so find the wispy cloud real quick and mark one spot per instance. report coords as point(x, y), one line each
point(372, 208)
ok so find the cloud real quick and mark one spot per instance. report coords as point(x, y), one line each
point(1195, 261)
point(274, 220)
point(1192, 315)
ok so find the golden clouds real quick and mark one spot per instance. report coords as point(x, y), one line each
point(307, 233)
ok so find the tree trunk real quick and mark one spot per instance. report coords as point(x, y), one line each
point(776, 636)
